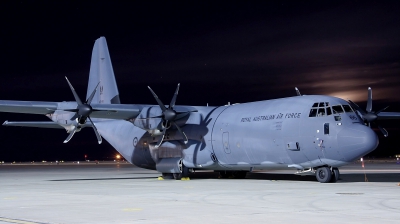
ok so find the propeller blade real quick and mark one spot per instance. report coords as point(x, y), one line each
point(172, 104)
point(381, 110)
point(163, 108)
point(99, 140)
point(185, 139)
point(69, 136)
point(89, 100)
point(77, 99)
point(162, 138)
point(384, 132)
point(369, 102)
point(297, 91)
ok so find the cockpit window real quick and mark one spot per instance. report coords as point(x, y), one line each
point(337, 109)
point(328, 111)
point(320, 109)
point(313, 113)
point(347, 108)
point(321, 112)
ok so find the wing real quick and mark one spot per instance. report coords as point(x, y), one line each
point(115, 111)
point(109, 111)
point(28, 107)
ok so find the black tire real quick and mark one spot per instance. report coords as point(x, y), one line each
point(239, 174)
point(335, 175)
point(185, 173)
point(324, 174)
point(177, 176)
point(167, 176)
point(225, 174)
point(233, 174)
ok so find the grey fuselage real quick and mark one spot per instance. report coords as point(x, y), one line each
point(296, 133)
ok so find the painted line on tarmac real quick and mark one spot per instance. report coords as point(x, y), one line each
point(2, 219)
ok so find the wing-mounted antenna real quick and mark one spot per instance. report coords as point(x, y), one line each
point(297, 91)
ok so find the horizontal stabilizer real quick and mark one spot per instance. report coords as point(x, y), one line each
point(35, 124)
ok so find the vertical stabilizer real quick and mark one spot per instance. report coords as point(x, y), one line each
point(101, 71)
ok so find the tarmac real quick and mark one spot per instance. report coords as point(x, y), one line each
point(118, 192)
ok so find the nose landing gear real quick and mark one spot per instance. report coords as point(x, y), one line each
point(326, 174)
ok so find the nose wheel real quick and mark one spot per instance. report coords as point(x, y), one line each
point(327, 175)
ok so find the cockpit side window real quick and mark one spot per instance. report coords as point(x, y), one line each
point(337, 109)
point(347, 108)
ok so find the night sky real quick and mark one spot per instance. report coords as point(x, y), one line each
point(219, 51)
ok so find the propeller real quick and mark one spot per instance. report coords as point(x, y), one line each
point(169, 115)
point(368, 115)
point(82, 112)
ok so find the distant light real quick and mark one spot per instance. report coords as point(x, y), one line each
point(118, 156)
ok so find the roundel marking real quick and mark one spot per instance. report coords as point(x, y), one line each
point(135, 141)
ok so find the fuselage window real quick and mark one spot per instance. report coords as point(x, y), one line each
point(337, 109)
point(326, 128)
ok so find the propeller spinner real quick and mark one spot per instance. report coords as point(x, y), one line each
point(368, 115)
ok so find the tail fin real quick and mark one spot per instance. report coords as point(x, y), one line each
point(101, 71)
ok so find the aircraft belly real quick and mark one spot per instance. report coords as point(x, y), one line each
point(131, 142)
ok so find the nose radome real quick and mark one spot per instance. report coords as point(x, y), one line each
point(355, 141)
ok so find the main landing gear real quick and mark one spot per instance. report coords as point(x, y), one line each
point(327, 174)
point(233, 174)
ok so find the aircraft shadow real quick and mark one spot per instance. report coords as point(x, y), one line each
point(344, 178)
point(118, 178)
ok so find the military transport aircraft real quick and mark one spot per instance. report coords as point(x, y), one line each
point(310, 134)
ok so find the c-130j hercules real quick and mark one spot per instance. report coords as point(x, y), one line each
point(313, 135)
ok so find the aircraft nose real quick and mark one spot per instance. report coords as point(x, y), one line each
point(355, 141)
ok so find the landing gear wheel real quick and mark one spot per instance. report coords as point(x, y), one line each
point(184, 173)
point(167, 175)
point(177, 176)
point(225, 174)
point(239, 174)
point(335, 175)
point(324, 174)
point(233, 174)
